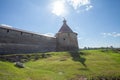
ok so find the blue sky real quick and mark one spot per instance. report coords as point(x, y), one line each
point(97, 22)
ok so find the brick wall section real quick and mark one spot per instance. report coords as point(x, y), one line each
point(18, 41)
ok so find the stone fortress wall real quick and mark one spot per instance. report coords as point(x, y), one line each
point(18, 41)
point(14, 40)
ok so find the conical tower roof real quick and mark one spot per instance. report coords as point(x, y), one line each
point(65, 27)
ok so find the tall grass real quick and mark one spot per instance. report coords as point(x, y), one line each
point(90, 64)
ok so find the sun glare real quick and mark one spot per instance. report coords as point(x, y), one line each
point(58, 8)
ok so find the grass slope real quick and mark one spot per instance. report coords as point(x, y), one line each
point(66, 66)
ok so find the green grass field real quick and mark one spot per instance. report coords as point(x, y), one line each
point(90, 64)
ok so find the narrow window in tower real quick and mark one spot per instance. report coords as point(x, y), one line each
point(63, 38)
point(7, 30)
point(21, 33)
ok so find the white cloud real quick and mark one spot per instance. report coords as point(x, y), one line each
point(5, 25)
point(113, 34)
point(76, 4)
point(49, 34)
point(80, 38)
point(89, 7)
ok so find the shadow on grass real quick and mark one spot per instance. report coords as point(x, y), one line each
point(84, 69)
point(76, 56)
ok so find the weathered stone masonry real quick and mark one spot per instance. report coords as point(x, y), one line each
point(19, 41)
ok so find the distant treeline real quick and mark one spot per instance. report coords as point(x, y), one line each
point(94, 48)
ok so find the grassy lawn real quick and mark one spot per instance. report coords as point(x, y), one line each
point(66, 66)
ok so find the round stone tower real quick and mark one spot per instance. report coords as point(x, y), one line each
point(66, 39)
